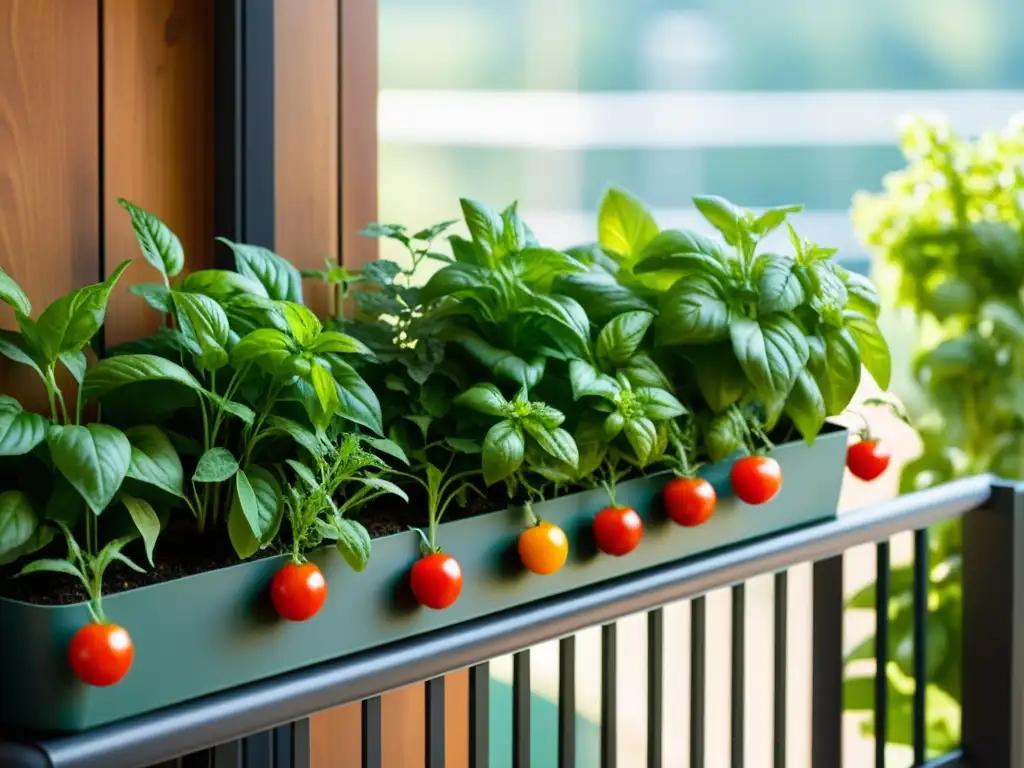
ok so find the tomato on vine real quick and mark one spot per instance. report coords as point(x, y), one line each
point(543, 546)
point(298, 591)
point(101, 654)
point(756, 479)
point(867, 459)
point(617, 528)
point(689, 500)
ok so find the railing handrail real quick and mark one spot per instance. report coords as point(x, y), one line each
point(227, 716)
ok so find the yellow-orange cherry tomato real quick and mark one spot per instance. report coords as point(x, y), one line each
point(543, 548)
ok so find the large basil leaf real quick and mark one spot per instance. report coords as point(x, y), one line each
point(692, 312)
point(624, 225)
point(658, 404)
point(724, 435)
point(271, 349)
point(806, 406)
point(556, 442)
point(281, 280)
point(862, 295)
point(325, 388)
point(503, 451)
point(642, 436)
point(773, 218)
point(256, 511)
point(453, 280)
point(719, 376)
point(500, 362)
point(76, 363)
point(587, 380)
point(113, 372)
point(12, 294)
point(154, 460)
point(146, 521)
point(204, 325)
point(485, 226)
point(874, 351)
point(684, 251)
point(20, 431)
point(157, 295)
point(160, 246)
point(721, 214)
point(215, 466)
point(70, 322)
point(513, 233)
point(538, 267)
point(15, 347)
point(484, 398)
point(18, 521)
point(93, 458)
point(838, 374)
point(600, 294)
point(353, 543)
point(302, 323)
point(771, 353)
point(340, 343)
point(779, 288)
point(357, 401)
point(562, 320)
point(619, 340)
point(222, 285)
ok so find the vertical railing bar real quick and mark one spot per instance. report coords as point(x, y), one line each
point(282, 747)
point(567, 702)
point(881, 651)
point(738, 683)
point(521, 709)
point(435, 723)
point(609, 696)
point(258, 750)
point(230, 755)
point(301, 750)
point(479, 715)
point(781, 674)
point(920, 642)
point(655, 685)
point(201, 759)
point(698, 643)
point(827, 664)
point(372, 733)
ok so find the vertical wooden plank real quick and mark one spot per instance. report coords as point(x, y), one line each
point(158, 139)
point(457, 720)
point(49, 158)
point(358, 129)
point(306, 131)
point(335, 737)
point(404, 719)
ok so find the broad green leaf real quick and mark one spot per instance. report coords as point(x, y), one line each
point(20, 431)
point(485, 398)
point(538, 267)
point(50, 565)
point(692, 312)
point(222, 285)
point(256, 511)
point(642, 371)
point(724, 435)
point(771, 353)
point(619, 340)
point(65, 506)
point(719, 376)
point(503, 451)
point(642, 436)
point(862, 295)
point(215, 466)
point(513, 229)
point(562, 320)
point(76, 363)
point(339, 343)
point(658, 404)
point(316, 445)
point(587, 380)
point(154, 460)
point(325, 388)
point(18, 521)
point(12, 294)
point(828, 292)
point(70, 322)
point(600, 294)
point(114, 372)
point(204, 325)
point(874, 351)
point(453, 280)
point(779, 288)
point(157, 295)
point(281, 280)
point(773, 218)
point(624, 224)
point(160, 246)
point(14, 346)
point(353, 543)
point(93, 458)
point(268, 348)
point(547, 415)
point(721, 214)
point(555, 442)
point(806, 406)
point(146, 521)
point(40, 538)
point(384, 485)
point(236, 409)
point(682, 251)
point(303, 324)
point(358, 403)
point(838, 376)
point(304, 473)
point(485, 226)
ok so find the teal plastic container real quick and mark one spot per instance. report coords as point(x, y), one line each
point(217, 630)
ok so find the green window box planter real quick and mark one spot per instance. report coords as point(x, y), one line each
point(216, 630)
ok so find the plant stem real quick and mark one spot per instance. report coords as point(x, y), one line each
point(51, 386)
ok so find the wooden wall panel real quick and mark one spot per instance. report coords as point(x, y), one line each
point(49, 157)
point(158, 139)
point(306, 137)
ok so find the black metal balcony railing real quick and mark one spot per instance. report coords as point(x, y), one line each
point(243, 728)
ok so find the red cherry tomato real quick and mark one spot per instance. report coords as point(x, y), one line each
point(101, 654)
point(298, 591)
point(543, 548)
point(618, 530)
point(689, 501)
point(756, 479)
point(436, 580)
point(867, 459)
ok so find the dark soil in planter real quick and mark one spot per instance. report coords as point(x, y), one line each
point(181, 551)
